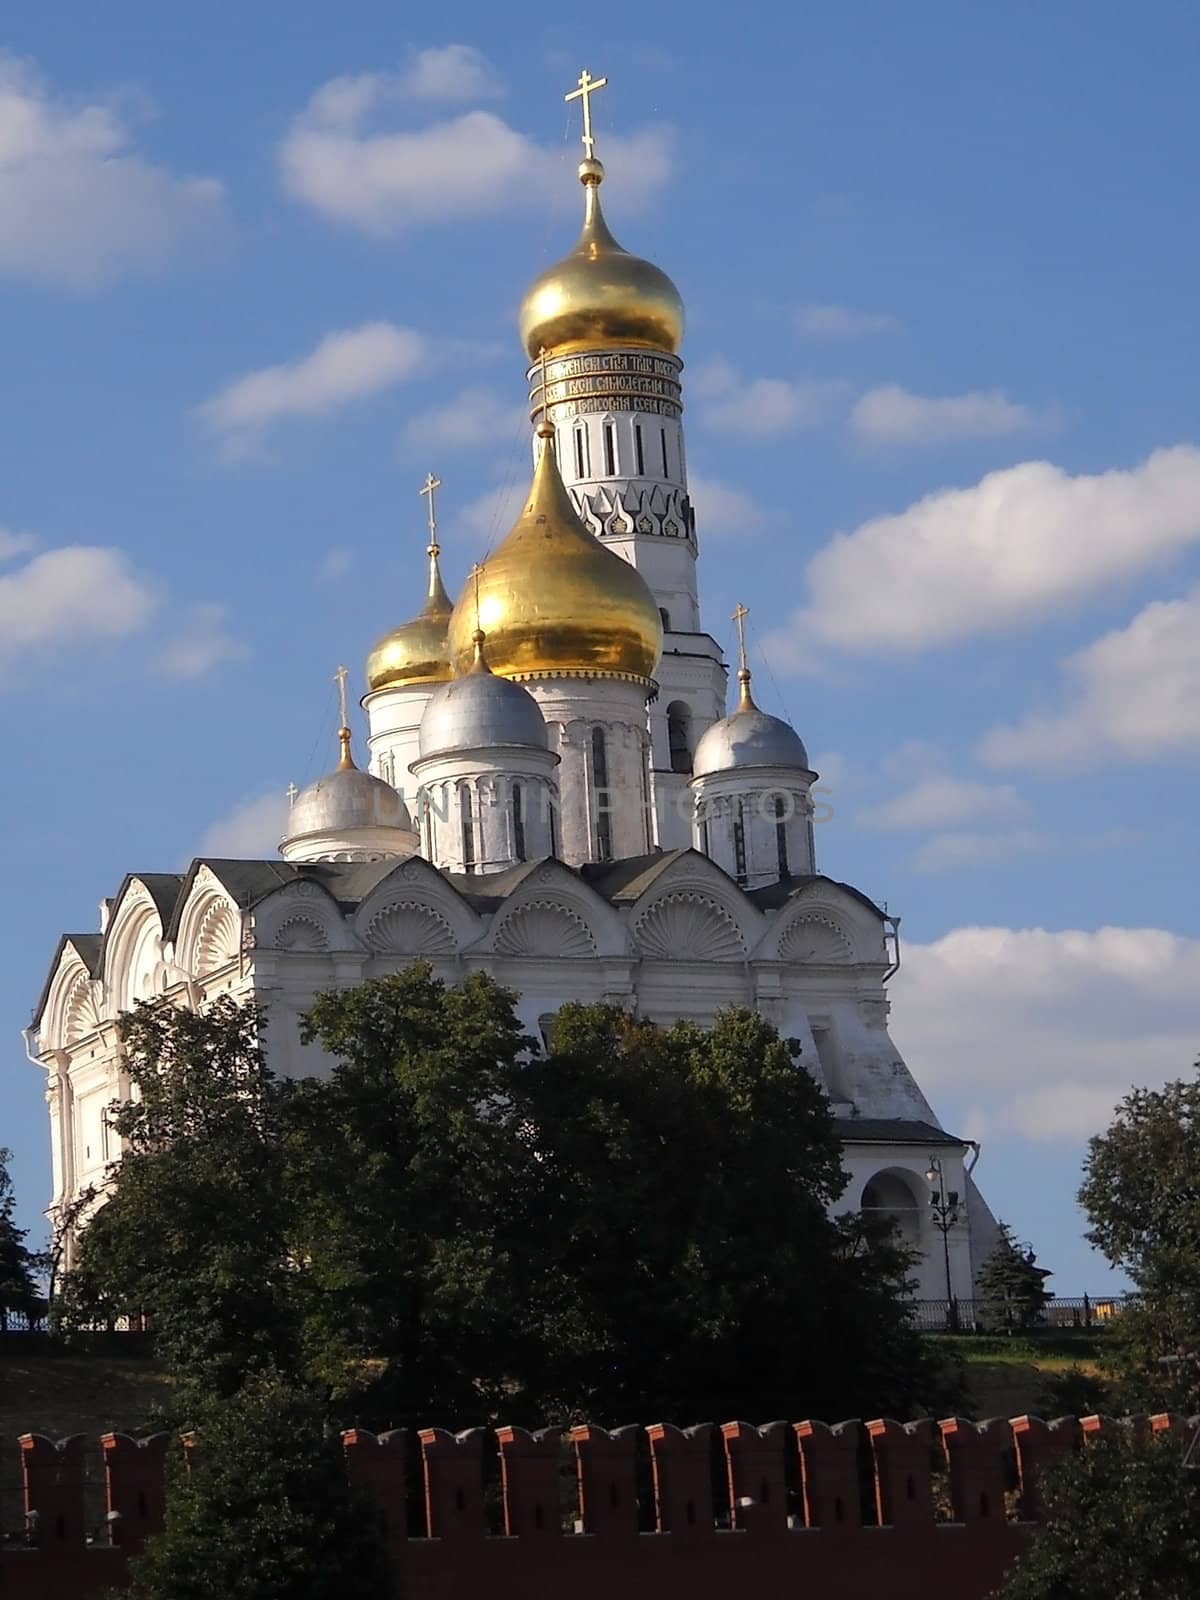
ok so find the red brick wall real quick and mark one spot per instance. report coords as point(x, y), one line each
point(804, 1509)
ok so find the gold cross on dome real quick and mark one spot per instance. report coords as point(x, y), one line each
point(427, 488)
point(740, 613)
point(587, 88)
point(339, 678)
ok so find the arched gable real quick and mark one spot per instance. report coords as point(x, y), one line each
point(210, 926)
point(414, 912)
point(553, 913)
point(301, 916)
point(693, 911)
point(73, 1005)
point(136, 955)
point(823, 924)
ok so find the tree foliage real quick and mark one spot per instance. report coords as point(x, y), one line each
point(193, 1233)
point(262, 1509)
point(18, 1284)
point(1011, 1284)
point(1123, 1519)
point(455, 1226)
point(1141, 1193)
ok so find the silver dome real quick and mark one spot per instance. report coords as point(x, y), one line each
point(749, 738)
point(344, 799)
point(480, 711)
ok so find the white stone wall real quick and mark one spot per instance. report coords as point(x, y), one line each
point(394, 716)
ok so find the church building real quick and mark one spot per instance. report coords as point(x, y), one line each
point(554, 793)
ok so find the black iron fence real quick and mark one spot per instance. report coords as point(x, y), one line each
point(993, 1316)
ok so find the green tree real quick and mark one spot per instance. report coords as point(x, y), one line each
point(1123, 1518)
point(263, 1509)
point(409, 1172)
point(19, 1294)
point(1141, 1193)
point(688, 1265)
point(1012, 1285)
point(192, 1233)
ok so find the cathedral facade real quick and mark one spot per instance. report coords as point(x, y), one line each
point(556, 795)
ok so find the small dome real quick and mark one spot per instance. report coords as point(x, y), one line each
point(346, 798)
point(553, 600)
point(480, 711)
point(748, 738)
point(416, 651)
point(600, 294)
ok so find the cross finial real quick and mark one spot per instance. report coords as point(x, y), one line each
point(339, 678)
point(427, 490)
point(587, 88)
point(740, 613)
point(544, 428)
point(292, 792)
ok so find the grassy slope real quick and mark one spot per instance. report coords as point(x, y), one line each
point(1006, 1377)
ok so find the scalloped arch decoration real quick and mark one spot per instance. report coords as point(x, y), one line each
point(301, 933)
point(80, 1013)
point(688, 927)
point(410, 928)
point(218, 938)
point(543, 928)
point(815, 939)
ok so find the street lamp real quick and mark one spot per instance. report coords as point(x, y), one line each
point(943, 1208)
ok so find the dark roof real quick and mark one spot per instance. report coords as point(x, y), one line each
point(89, 946)
point(891, 1130)
point(625, 880)
point(487, 890)
point(773, 895)
point(247, 882)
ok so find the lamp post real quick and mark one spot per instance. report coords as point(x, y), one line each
point(943, 1208)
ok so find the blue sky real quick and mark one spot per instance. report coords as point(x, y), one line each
point(259, 268)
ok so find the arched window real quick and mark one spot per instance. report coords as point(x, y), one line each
point(739, 841)
point(679, 735)
point(666, 618)
point(604, 848)
point(781, 834)
point(890, 1197)
point(426, 814)
point(468, 827)
point(662, 433)
point(581, 459)
point(610, 450)
point(518, 821)
point(639, 453)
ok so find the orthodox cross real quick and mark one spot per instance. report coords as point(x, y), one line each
point(427, 488)
point(587, 88)
point(292, 792)
point(339, 678)
point(740, 613)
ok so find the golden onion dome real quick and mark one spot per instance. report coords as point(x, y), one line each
point(416, 651)
point(553, 601)
point(600, 294)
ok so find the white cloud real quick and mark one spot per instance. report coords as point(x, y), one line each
point(252, 830)
point(347, 365)
point(386, 181)
point(1042, 1032)
point(892, 415)
point(64, 599)
point(1021, 544)
point(941, 801)
point(474, 417)
point(763, 406)
point(839, 322)
point(1132, 695)
point(14, 544)
point(201, 644)
point(78, 205)
point(722, 510)
point(951, 852)
point(453, 72)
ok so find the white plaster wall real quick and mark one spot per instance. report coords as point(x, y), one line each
point(393, 717)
